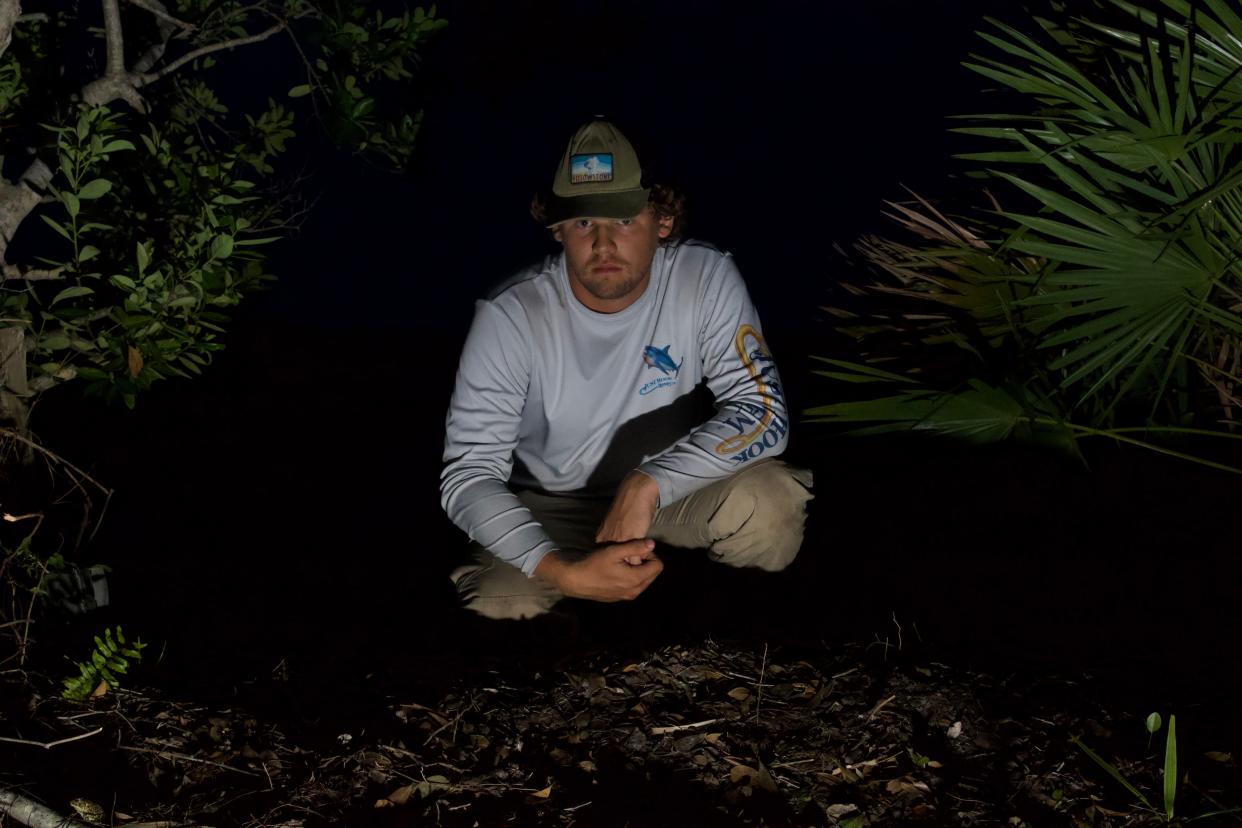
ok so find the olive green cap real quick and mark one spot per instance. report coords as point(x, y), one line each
point(599, 177)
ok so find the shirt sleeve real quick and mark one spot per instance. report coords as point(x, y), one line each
point(481, 432)
point(751, 419)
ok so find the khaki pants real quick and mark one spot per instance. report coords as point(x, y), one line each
point(752, 518)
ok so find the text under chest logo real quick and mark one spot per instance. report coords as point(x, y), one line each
point(660, 359)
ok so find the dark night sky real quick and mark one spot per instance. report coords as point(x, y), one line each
point(294, 487)
point(785, 124)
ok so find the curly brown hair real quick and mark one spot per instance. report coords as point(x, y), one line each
point(664, 200)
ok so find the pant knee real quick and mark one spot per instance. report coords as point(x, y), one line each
point(761, 522)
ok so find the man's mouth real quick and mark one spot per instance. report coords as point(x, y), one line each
point(606, 268)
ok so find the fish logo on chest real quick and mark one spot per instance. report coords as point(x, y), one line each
point(660, 359)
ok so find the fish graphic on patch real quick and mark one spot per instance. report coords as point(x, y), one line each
point(654, 357)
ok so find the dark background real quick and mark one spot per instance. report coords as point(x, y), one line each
point(284, 508)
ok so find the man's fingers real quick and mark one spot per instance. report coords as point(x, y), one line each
point(635, 552)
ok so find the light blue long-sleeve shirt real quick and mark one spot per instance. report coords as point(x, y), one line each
point(554, 396)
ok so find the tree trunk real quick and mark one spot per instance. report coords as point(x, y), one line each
point(14, 412)
point(10, 10)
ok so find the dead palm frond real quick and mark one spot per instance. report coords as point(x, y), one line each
point(1114, 297)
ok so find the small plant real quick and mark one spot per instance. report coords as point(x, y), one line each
point(111, 658)
point(1153, 723)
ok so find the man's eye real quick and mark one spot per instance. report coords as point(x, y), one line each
point(582, 223)
point(625, 222)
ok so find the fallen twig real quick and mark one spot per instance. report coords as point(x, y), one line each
point(185, 757)
point(660, 731)
point(28, 812)
point(50, 745)
point(759, 690)
point(879, 706)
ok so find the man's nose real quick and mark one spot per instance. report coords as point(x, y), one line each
point(603, 240)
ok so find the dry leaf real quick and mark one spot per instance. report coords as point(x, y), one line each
point(398, 797)
point(759, 779)
point(954, 730)
point(1108, 811)
point(711, 738)
point(134, 358)
point(838, 811)
point(544, 794)
point(1217, 756)
point(629, 668)
point(384, 803)
point(100, 690)
point(907, 787)
point(740, 773)
point(739, 693)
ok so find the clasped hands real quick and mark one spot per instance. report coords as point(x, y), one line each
point(625, 563)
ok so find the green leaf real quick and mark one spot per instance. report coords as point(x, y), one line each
point(94, 189)
point(54, 342)
point(221, 247)
point(860, 372)
point(71, 293)
point(71, 204)
point(117, 145)
point(1170, 767)
point(57, 227)
point(123, 282)
point(300, 91)
point(144, 256)
point(87, 253)
point(1112, 771)
point(1154, 722)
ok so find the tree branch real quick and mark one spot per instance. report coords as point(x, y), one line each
point(56, 458)
point(156, 8)
point(206, 50)
point(28, 812)
point(17, 273)
point(116, 82)
point(114, 36)
point(167, 25)
point(10, 11)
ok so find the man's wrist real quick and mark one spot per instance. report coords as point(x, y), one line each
point(645, 484)
point(554, 569)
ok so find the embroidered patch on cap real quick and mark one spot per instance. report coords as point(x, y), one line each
point(587, 168)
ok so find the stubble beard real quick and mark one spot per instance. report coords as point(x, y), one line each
point(608, 287)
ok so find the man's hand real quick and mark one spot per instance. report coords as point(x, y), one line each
point(617, 572)
point(632, 511)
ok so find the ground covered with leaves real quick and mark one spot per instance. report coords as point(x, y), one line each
point(699, 733)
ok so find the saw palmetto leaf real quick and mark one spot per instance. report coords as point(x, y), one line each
point(1117, 280)
point(976, 413)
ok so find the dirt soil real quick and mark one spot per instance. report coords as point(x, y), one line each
point(700, 733)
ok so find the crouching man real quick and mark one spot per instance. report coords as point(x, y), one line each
point(573, 439)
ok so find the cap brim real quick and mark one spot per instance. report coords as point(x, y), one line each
point(599, 205)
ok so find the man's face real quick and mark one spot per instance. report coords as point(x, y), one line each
point(609, 260)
